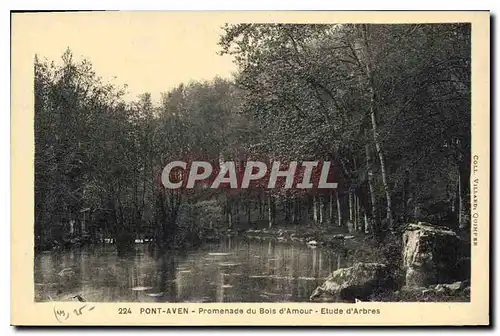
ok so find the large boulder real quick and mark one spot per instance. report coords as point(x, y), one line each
point(359, 281)
point(431, 254)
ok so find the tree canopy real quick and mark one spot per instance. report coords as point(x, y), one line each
point(388, 104)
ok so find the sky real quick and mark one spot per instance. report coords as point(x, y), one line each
point(154, 51)
point(149, 51)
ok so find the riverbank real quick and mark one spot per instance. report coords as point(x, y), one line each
point(312, 236)
point(352, 258)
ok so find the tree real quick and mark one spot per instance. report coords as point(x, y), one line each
point(331, 84)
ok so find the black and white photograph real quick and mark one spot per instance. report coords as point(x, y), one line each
point(182, 159)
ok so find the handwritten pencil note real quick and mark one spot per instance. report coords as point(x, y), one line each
point(62, 315)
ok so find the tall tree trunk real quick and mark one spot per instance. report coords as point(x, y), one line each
point(375, 130)
point(307, 209)
point(229, 219)
point(339, 210)
point(261, 207)
point(272, 211)
point(351, 207)
point(249, 213)
point(366, 226)
point(356, 213)
point(371, 187)
point(237, 212)
point(321, 209)
point(330, 207)
point(315, 209)
point(229, 214)
point(298, 201)
point(287, 209)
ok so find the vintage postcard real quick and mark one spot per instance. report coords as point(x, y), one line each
point(250, 168)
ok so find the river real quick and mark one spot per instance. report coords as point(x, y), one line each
point(232, 270)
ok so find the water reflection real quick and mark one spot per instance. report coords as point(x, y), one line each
point(234, 270)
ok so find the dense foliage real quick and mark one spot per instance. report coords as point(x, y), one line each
point(388, 104)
